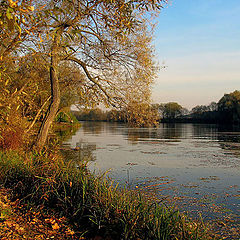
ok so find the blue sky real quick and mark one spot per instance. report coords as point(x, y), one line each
point(199, 43)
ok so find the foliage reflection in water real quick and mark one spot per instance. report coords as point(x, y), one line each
point(193, 166)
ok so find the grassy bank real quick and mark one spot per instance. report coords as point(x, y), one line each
point(91, 203)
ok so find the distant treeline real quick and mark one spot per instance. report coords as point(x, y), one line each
point(225, 111)
point(97, 114)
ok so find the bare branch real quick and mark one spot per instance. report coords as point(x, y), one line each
point(38, 114)
point(92, 79)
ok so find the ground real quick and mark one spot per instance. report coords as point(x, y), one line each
point(16, 223)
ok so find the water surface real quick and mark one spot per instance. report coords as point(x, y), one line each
point(196, 166)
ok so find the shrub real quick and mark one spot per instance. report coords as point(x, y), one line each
point(11, 138)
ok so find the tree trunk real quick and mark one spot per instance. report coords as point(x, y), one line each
point(55, 93)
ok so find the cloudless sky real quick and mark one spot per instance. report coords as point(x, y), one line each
point(199, 43)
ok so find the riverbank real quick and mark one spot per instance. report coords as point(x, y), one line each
point(18, 221)
point(90, 203)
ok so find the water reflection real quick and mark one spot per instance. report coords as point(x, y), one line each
point(92, 127)
point(184, 144)
point(173, 131)
point(189, 162)
point(64, 132)
point(83, 152)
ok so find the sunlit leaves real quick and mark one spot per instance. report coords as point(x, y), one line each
point(15, 21)
point(106, 44)
point(141, 114)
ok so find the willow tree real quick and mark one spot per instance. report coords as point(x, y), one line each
point(108, 40)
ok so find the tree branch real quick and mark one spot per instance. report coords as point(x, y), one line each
point(36, 117)
point(92, 79)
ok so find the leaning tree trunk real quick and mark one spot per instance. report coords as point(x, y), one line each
point(55, 94)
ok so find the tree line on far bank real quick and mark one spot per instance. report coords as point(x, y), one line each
point(225, 111)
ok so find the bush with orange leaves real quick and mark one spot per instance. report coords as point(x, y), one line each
point(11, 138)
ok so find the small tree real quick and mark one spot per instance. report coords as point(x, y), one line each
point(171, 110)
point(141, 114)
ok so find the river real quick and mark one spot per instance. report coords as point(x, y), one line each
point(194, 166)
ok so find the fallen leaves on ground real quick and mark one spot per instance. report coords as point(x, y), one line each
point(16, 223)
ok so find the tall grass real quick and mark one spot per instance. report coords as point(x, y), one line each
point(92, 203)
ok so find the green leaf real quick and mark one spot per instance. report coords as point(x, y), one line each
point(8, 14)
